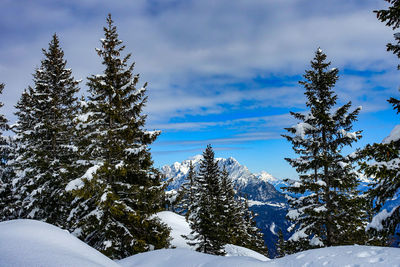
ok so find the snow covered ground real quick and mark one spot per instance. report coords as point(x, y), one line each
point(344, 256)
point(183, 257)
point(33, 243)
point(178, 226)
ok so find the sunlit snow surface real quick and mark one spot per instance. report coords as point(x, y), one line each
point(350, 256)
point(344, 256)
point(178, 226)
point(33, 243)
point(183, 257)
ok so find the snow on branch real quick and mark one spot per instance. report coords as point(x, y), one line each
point(136, 150)
point(350, 135)
point(378, 219)
point(393, 136)
point(301, 129)
point(79, 183)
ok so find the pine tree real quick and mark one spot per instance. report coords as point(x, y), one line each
point(217, 215)
point(280, 245)
point(382, 159)
point(391, 17)
point(252, 237)
point(186, 193)
point(329, 211)
point(23, 154)
point(205, 218)
point(232, 217)
point(45, 138)
point(6, 173)
point(120, 190)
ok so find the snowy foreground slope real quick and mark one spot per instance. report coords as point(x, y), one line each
point(351, 256)
point(33, 243)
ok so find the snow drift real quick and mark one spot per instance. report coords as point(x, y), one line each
point(350, 256)
point(34, 243)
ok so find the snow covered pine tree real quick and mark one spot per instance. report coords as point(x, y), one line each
point(120, 190)
point(186, 193)
point(385, 156)
point(205, 216)
point(45, 140)
point(238, 220)
point(329, 212)
point(6, 172)
point(217, 217)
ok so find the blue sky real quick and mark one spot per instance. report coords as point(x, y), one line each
point(220, 71)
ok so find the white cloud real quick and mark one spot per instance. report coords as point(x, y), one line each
point(182, 47)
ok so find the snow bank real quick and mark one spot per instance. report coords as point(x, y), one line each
point(34, 243)
point(334, 256)
point(350, 256)
point(234, 251)
point(183, 257)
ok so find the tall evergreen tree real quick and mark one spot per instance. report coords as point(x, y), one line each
point(329, 211)
point(280, 245)
point(45, 138)
point(232, 215)
point(120, 190)
point(383, 159)
point(23, 154)
point(238, 220)
point(186, 194)
point(252, 237)
point(205, 220)
point(6, 173)
point(391, 17)
point(217, 215)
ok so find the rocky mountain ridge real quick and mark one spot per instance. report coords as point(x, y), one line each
point(258, 187)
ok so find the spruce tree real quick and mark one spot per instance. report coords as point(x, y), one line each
point(238, 220)
point(280, 245)
point(120, 190)
point(23, 155)
point(232, 216)
point(391, 17)
point(329, 211)
point(217, 216)
point(205, 218)
point(6, 173)
point(252, 237)
point(382, 159)
point(45, 139)
point(186, 194)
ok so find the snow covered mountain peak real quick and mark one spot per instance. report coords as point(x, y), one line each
point(195, 158)
point(239, 174)
point(265, 176)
